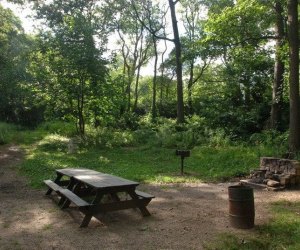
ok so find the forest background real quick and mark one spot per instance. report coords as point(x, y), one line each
point(224, 73)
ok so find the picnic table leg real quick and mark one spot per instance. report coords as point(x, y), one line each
point(142, 208)
point(89, 211)
point(57, 179)
point(63, 202)
point(114, 196)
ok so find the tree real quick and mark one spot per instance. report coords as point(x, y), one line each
point(16, 103)
point(177, 44)
point(278, 67)
point(293, 39)
point(135, 49)
point(76, 59)
point(238, 35)
point(192, 50)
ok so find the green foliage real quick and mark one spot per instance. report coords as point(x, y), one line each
point(226, 101)
point(128, 121)
point(106, 138)
point(146, 155)
point(58, 127)
point(270, 137)
point(17, 104)
point(10, 133)
point(7, 133)
point(282, 232)
point(236, 94)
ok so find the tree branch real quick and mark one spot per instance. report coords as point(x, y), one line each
point(151, 31)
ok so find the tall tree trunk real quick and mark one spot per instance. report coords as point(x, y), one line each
point(80, 105)
point(123, 104)
point(162, 75)
point(139, 65)
point(278, 69)
point(180, 105)
point(293, 38)
point(128, 88)
point(190, 85)
point(136, 91)
point(153, 110)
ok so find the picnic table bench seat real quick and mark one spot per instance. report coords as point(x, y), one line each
point(68, 194)
point(144, 195)
point(52, 185)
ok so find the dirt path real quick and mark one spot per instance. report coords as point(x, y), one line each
point(183, 216)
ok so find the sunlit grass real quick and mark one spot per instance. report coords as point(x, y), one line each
point(142, 155)
point(143, 163)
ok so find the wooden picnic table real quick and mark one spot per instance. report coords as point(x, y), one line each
point(87, 189)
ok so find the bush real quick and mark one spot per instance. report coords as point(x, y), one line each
point(59, 127)
point(7, 132)
point(128, 121)
point(106, 137)
point(54, 142)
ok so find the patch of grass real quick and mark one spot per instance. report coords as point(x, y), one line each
point(143, 163)
point(283, 232)
point(58, 127)
point(47, 226)
point(16, 244)
point(6, 224)
point(222, 163)
point(8, 132)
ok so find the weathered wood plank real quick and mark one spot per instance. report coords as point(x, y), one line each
point(52, 185)
point(144, 195)
point(73, 198)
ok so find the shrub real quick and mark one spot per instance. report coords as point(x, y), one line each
point(59, 127)
point(7, 133)
point(106, 137)
point(54, 142)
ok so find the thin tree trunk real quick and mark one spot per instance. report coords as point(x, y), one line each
point(180, 104)
point(136, 94)
point(277, 90)
point(293, 38)
point(123, 104)
point(80, 105)
point(162, 75)
point(190, 85)
point(154, 80)
point(136, 91)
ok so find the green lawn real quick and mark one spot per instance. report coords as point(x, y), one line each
point(143, 163)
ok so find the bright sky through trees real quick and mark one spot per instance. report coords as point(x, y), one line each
point(30, 24)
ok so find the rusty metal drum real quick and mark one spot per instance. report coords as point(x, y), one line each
point(241, 206)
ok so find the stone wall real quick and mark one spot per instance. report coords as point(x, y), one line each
point(285, 171)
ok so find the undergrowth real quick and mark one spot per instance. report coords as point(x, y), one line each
point(146, 154)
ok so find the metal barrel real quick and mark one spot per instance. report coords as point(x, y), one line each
point(241, 207)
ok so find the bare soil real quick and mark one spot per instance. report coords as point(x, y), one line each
point(184, 216)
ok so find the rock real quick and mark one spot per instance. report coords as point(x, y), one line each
point(285, 180)
point(272, 183)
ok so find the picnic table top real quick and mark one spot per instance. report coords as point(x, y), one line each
point(96, 179)
point(105, 181)
point(76, 171)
